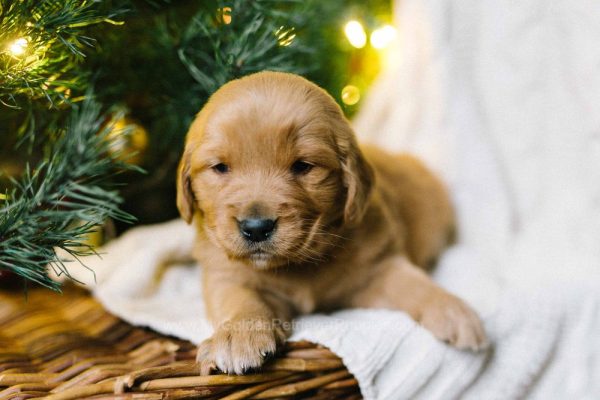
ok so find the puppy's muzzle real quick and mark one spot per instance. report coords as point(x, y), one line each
point(257, 229)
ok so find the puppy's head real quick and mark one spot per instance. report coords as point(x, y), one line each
point(271, 167)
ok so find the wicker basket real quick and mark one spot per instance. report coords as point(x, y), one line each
point(68, 347)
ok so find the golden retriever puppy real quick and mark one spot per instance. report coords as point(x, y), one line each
point(293, 217)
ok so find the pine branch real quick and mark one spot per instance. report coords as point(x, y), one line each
point(261, 35)
point(41, 45)
point(63, 199)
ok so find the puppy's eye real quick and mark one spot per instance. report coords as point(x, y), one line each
point(220, 168)
point(301, 167)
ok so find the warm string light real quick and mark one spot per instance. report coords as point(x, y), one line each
point(350, 95)
point(18, 47)
point(224, 15)
point(356, 34)
point(285, 36)
point(382, 37)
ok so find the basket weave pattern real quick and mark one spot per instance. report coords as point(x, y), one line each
point(68, 347)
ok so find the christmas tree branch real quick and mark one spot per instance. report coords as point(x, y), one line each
point(241, 38)
point(41, 44)
point(64, 198)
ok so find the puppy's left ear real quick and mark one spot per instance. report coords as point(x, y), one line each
point(358, 180)
point(185, 195)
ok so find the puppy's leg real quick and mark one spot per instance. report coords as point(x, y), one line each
point(401, 285)
point(247, 329)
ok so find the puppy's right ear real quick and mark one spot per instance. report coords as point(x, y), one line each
point(185, 195)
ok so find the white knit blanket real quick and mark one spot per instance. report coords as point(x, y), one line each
point(543, 337)
point(502, 98)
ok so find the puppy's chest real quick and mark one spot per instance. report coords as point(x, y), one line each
point(319, 287)
point(332, 284)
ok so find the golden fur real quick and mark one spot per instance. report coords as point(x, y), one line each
point(355, 229)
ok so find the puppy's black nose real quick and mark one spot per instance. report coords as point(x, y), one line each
point(256, 229)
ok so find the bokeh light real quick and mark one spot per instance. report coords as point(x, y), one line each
point(350, 95)
point(18, 47)
point(224, 15)
point(356, 34)
point(382, 37)
point(285, 36)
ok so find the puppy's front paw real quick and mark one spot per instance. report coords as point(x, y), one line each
point(454, 322)
point(239, 346)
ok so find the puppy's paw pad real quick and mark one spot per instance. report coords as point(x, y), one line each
point(239, 347)
point(454, 322)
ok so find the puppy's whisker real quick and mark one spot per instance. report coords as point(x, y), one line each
point(322, 237)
